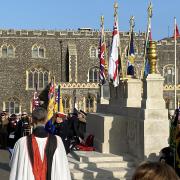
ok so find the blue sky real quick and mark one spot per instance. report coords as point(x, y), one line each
point(73, 14)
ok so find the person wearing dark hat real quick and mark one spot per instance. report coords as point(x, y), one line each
point(177, 143)
point(3, 129)
point(61, 129)
point(82, 124)
point(11, 128)
point(76, 133)
point(23, 126)
point(39, 156)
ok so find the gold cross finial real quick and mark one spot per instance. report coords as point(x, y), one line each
point(115, 8)
point(150, 9)
point(132, 22)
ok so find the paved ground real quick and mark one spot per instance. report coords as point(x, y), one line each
point(4, 167)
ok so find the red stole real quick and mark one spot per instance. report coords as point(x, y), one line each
point(39, 167)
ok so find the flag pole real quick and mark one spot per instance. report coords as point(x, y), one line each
point(175, 64)
point(147, 37)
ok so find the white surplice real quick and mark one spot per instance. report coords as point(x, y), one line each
point(20, 164)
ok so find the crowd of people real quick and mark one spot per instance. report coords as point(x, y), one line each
point(46, 152)
point(71, 128)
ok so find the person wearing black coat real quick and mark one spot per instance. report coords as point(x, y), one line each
point(22, 127)
point(11, 128)
point(61, 129)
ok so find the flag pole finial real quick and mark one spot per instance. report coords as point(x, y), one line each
point(115, 9)
point(150, 10)
point(132, 22)
point(102, 21)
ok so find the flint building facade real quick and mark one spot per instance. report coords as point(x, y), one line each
point(30, 57)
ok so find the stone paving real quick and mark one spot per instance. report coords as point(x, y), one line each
point(4, 165)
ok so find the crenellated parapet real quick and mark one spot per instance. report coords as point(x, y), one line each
point(167, 42)
point(62, 33)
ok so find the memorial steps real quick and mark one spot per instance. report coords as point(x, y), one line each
point(94, 165)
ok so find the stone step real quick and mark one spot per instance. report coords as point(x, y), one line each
point(95, 157)
point(105, 164)
point(105, 173)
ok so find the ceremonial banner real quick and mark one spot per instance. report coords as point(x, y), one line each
point(102, 51)
point(147, 64)
point(51, 97)
point(58, 104)
point(131, 56)
point(114, 56)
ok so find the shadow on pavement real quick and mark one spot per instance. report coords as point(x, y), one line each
point(4, 166)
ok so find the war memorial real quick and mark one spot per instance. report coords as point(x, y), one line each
point(125, 82)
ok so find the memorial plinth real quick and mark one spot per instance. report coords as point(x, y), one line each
point(131, 123)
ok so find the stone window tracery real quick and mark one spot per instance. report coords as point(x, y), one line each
point(93, 75)
point(37, 77)
point(169, 74)
point(66, 103)
point(93, 52)
point(12, 106)
point(38, 51)
point(90, 103)
point(7, 51)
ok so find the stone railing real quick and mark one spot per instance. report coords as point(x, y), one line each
point(79, 85)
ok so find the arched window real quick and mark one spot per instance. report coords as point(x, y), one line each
point(38, 52)
point(35, 52)
point(94, 74)
point(7, 51)
point(66, 103)
point(90, 101)
point(12, 106)
point(93, 52)
point(10, 52)
point(37, 77)
point(169, 74)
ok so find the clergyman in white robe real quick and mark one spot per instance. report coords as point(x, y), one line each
point(21, 168)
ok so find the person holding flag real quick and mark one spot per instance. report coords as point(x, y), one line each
point(131, 56)
point(114, 56)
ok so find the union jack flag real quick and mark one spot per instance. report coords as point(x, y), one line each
point(102, 51)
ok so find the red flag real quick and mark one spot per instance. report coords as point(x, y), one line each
point(176, 31)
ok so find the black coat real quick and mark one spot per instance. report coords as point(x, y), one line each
point(61, 129)
point(73, 124)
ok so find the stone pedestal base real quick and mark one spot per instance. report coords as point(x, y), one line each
point(153, 92)
point(109, 131)
point(105, 93)
point(132, 93)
